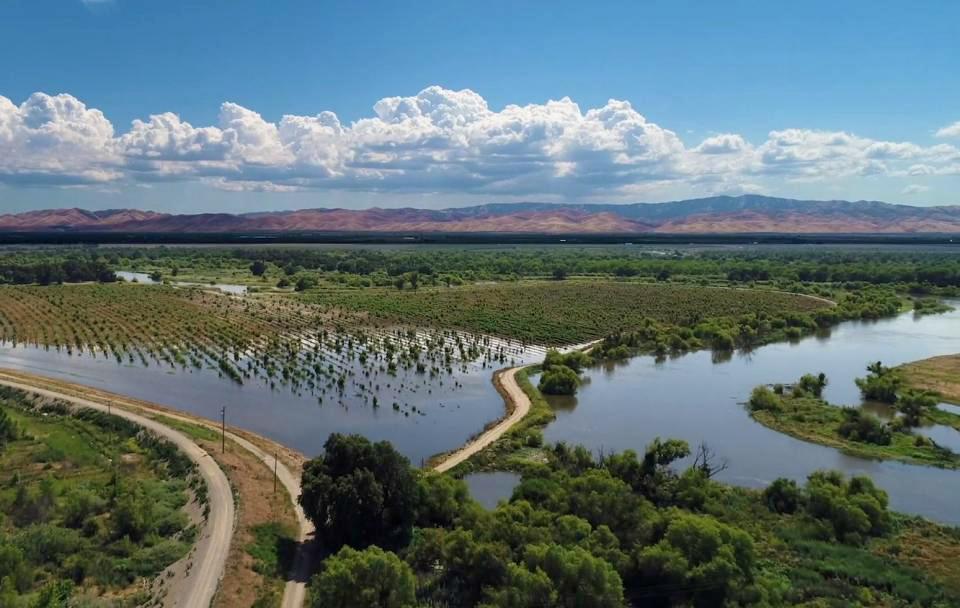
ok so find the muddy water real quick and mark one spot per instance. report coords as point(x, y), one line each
point(697, 398)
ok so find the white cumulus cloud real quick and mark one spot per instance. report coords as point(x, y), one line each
point(436, 141)
point(950, 130)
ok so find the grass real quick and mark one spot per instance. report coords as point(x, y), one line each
point(926, 547)
point(817, 421)
point(273, 547)
point(558, 312)
point(88, 497)
point(938, 374)
point(194, 431)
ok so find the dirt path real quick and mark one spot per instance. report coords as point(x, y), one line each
point(295, 592)
point(518, 406)
point(288, 475)
point(201, 581)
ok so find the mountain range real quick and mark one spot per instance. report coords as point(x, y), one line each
point(713, 215)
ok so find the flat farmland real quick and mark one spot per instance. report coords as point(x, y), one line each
point(560, 312)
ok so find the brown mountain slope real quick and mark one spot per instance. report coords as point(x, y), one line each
point(748, 213)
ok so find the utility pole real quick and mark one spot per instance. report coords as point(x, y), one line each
point(223, 429)
point(275, 458)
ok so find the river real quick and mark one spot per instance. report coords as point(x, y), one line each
point(698, 398)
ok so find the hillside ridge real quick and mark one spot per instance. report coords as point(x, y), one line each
point(719, 214)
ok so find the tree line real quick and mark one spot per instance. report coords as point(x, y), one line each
point(583, 531)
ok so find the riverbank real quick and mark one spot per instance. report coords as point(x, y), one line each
point(251, 461)
point(811, 419)
point(519, 431)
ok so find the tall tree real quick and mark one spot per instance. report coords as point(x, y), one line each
point(359, 493)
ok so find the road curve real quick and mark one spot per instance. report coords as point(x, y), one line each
point(515, 397)
point(294, 594)
point(518, 406)
point(204, 577)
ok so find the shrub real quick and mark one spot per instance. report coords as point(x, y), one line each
point(860, 426)
point(764, 399)
point(559, 380)
point(372, 578)
point(783, 496)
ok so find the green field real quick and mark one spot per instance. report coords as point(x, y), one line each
point(559, 312)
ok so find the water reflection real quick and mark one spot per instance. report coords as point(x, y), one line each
point(144, 278)
point(490, 488)
point(436, 415)
point(699, 397)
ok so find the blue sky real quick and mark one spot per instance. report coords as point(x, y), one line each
point(447, 103)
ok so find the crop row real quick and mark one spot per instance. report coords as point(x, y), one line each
point(559, 312)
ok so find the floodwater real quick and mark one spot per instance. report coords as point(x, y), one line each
point(434, 415)
point(490, 488)
point(698, 398)
point(144, 278)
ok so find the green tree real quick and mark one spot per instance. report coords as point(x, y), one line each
point(258, 268)
point(698, 553)
point(914, 404)
point(853, 510)
point(881, 384)
point(471, 566)
point(359, 493)
point(783, 496)
point(523, 589)
point(441, 500)
point(559, 380)
point(372, 578)
point(305, 282)
point(811, 385)
point(580, 579)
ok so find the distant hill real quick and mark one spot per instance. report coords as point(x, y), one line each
point(714, 215)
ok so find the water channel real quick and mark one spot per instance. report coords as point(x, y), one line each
point(698, 398)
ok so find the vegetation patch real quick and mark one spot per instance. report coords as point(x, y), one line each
point(938, 374)
point(559, 312)
point(624, 529)
point(800, 412)
point(91, 503)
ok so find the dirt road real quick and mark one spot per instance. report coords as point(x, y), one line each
point(518, 406)
point(517, 399)
point(295, 590)
point(210, 556)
